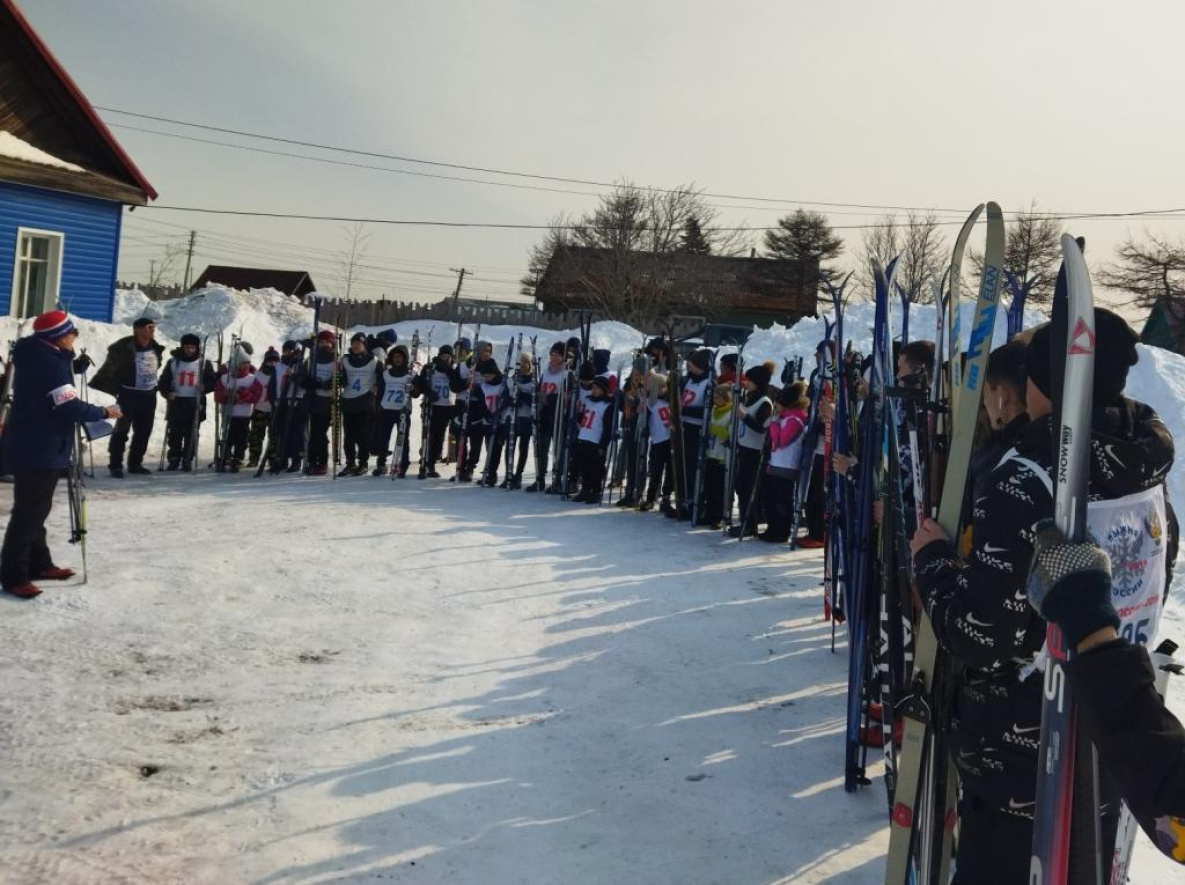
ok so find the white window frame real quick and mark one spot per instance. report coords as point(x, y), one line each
point(54, 272)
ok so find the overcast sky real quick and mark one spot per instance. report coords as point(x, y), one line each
point(929, 104)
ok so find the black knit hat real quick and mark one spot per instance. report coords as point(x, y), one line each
point(559, 348)
point(1114, 353)
point(488, 367)
point(701, 359)
point(288, 346)
point(142, 322)
point(603, 382)
point(587, 372)
point(729, 361)
point(190, 338)
point(601, 359)
point(445, 350)
point(759, 375)
point(358, 336)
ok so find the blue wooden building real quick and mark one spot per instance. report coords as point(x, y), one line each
point(64, 181)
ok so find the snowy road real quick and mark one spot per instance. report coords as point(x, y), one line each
point(306, 681)
point(359, 681)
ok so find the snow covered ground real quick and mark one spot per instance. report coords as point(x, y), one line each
point(296, 680)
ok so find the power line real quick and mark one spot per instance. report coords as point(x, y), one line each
point(1163, 214)
point(509, 173)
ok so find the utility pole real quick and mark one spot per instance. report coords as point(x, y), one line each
point(151, 272)
point(460, 272)
point(189, 258)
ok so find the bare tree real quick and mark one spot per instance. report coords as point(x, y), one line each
point(1147, 271)
point(628, 254)
point(918, 246)
point(924, 256)
point(881, 242)
point(350, 259)
point(164, 272)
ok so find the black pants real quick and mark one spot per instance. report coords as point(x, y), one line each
point(691, 436)
point(475, 434)
point(26, 554)
point(237, 438)
point(288, 430)
point(319, 433)
point(591, 464)
point(139, 414)
point(179, 428)
point(522, 444)
point(385, 423)
point(660, 456)
point(543, 448)
point(358, 433)
point(778, 491)
point(495, 442)
point(442, 416)
point(994, 847)
point(712, 510)
point(816, 502)
point(747, 463)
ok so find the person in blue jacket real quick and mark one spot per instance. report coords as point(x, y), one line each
point(40, 443)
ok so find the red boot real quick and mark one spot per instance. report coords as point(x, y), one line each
point(57, 573)
point(25, 591)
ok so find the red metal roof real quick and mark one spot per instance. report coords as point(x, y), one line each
point(81, 100)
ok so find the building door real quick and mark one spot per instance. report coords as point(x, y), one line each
point(38, 272)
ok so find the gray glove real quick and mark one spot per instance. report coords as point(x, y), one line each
point(1070, 584)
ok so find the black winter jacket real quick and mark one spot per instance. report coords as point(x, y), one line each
point(1141, 744)
point(119, 369)
point(979, 609)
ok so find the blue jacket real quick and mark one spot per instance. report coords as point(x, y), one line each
point(45, 408)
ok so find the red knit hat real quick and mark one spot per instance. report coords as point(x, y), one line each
point(53, 325)
point(327, 335)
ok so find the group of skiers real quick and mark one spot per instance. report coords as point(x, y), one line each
point(693, 437)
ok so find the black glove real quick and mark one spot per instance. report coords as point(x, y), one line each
point(82, 362)
point(1070, 584)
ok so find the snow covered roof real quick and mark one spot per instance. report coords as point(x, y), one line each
point(43, 108)
point(17, 149)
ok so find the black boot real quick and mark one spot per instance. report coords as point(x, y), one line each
point(380, 468)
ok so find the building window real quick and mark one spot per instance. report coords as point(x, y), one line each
point(38, 272)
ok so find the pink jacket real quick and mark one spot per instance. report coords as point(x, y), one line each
point(786, 428)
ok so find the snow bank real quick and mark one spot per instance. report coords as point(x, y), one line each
point(18, 149)
point(266, 317)
point(801, 339)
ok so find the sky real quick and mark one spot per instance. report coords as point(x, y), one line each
point(917, 104)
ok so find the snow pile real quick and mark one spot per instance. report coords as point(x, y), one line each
point(261, 316)
point(801, 339)
point(18, 149)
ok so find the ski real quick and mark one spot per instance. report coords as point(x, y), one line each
point(1072, 376)
point(920, 761)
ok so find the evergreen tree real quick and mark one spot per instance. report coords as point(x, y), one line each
point(804, 236)
point(692, 239)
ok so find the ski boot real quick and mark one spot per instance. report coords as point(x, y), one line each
point(515, 482)
point(379, 468)
point(236, 465)
point(362, 469)
point(187, 466)
point(666, 509)
point(647, 505)
point(253, 462)
point(139, 470)
point(490, 481)
point(348, 470)
point(318, 470)
point(174, 465)
point(537, 486)
point(294, 465)
point(626, 501)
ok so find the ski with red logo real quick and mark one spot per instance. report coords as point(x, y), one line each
point(1065, 827)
